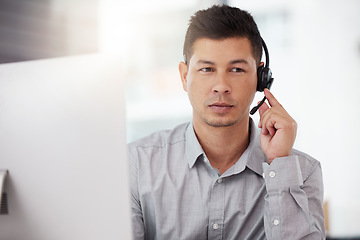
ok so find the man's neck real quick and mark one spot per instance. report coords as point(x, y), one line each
point(223, 145)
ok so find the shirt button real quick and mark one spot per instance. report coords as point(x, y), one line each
point(215, 226)
point(219, 180)
point(272, 174)
point(276, 222)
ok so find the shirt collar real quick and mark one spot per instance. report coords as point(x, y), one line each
point(193, 148)
point(253, 157)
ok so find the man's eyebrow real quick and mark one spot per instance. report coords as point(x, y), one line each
point(239, 61)
point(206, 62)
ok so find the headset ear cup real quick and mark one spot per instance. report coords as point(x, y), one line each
point(260, 78)
point(264, 78)
point(267, 78)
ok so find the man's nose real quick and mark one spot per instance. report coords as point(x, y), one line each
point(221, 85)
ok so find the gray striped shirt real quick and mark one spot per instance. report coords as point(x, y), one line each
point(177, 194)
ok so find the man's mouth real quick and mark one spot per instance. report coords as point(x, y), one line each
point(221, 107)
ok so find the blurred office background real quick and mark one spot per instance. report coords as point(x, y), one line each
point(314, 49)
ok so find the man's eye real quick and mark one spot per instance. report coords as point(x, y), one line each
point(236, 70)
point(207, 69)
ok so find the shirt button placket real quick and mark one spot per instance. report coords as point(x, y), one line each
point(217, 209)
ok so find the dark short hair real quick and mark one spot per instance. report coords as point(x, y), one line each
point(220, 22)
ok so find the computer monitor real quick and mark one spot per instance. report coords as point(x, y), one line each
point(62, 140)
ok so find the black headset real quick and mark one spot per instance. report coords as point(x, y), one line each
point(264, 77)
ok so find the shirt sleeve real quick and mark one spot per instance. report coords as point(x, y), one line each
point(293, 203)
point(136, 212)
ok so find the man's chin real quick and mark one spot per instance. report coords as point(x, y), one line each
point(221, 123)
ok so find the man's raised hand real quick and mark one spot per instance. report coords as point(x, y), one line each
point(278, 129)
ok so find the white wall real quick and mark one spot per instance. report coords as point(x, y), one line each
point(328, 57)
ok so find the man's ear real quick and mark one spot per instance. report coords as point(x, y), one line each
point(183, 70)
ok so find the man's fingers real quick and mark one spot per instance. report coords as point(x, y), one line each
point(262, 109)
point(271, 99)
point(270, 127)
point(265, 110)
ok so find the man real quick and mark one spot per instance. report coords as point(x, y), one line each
point(218, 177)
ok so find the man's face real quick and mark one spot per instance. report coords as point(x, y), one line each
point(220, 80)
